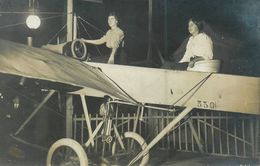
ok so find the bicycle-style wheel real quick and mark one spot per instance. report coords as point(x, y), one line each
point(79, 49)
point(66, 152)
point(133, 144)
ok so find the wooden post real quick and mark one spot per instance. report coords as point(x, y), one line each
point(228, 152)
point(235, 133)
point(205, 132)
point(220, 138)
point(243, 137)
point(75, 32)
point(74, 127)
point(150, 25)
point(152, 122)
point(85, 110)
point(174, 137)
point(180, 140)
point(69, 20)
point(168, 134)
point(165, 28)
point(195, 135)
point(252, 137)
point(212, 133)
point(136, 118)
point(69, 115)
point(82, 129)
point(186, 136)
point(257, 136)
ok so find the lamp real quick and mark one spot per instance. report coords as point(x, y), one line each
point(33, 21)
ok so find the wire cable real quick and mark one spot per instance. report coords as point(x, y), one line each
point(33, 100)
point(55, 35)
point(91, 25)
point(41, 13)
point(22, 23)
point(12, 25)
point(90, 37)
point(200, 83)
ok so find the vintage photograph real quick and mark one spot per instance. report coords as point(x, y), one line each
point(129, 82)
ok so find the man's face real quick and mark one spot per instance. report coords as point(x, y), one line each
point(112, 21)
point(193, 28)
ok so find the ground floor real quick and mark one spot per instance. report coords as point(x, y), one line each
point(13, 154)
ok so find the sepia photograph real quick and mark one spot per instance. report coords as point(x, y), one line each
point(129, 82)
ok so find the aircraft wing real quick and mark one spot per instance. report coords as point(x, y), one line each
point(203, 90)
point(30, 62)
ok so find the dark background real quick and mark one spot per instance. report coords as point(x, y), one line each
point(235, 26)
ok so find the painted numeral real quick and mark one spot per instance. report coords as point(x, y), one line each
point(206, 104)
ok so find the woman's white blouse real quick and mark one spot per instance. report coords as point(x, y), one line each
point(199, 45)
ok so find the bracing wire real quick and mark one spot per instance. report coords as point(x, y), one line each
point(47, 13)
point(199, 84)
point(12, 25)
point(46, 18)
point(89, 36)
point(22, 23)
point(55, 35)
point(91, 25)
point(32, 100)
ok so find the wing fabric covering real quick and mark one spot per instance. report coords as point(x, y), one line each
point(30, 62)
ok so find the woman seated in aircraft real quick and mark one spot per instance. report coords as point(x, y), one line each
point(113, 39)
point(199, 46)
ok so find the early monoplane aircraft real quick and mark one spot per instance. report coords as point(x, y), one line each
point(163, 90)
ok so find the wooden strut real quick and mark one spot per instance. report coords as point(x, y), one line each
point(35, 111)
point(85, 109)
point(195, 135)
point(162, 134)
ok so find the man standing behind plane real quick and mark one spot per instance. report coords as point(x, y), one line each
point(113, 39)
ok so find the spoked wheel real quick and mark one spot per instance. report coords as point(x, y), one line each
point(79, 50)
point(133, 144)
point(66, 152)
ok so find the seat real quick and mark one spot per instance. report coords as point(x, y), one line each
point(207, 66)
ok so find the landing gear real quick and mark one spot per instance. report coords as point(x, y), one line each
point(67, 152)
point(133, 143)
point(124, 148)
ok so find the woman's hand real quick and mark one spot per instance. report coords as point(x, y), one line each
point(111, 60)
point(83, 40)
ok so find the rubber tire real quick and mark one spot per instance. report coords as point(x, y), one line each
point(140, 141)
point(73, 50)
point(83, 159)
